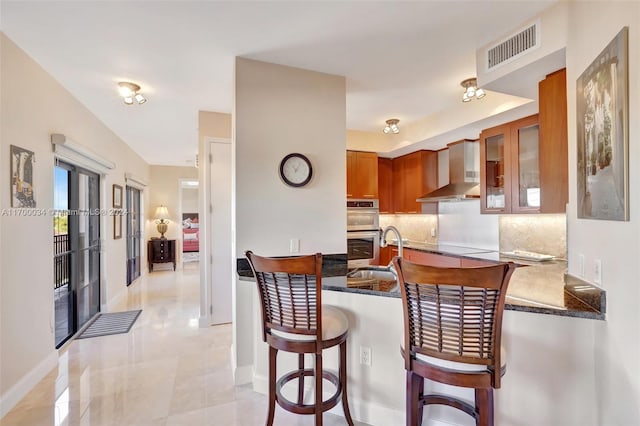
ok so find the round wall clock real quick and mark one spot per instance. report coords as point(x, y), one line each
point(296, 170)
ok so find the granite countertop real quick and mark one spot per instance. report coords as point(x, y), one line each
point(538, 287)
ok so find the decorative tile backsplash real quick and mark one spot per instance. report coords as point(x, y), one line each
point(414, 227)
point(541, 233)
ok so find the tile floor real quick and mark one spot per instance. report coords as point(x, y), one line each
point(165, 371)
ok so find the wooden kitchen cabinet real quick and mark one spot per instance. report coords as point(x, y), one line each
point(414, 175)
point(431, 259)
point(509, 167)
point(385, 255)
point(523, 164)
point(362, 174)
point(385, 190)
point(554, 157)
point(394, 253)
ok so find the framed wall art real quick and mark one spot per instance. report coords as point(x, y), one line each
point(22, 168)
point(117, 196)
point(117, 227)
point(602, 108)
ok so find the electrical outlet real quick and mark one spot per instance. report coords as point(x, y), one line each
point(581, 265)
point(294, 245)
point(433, 232)
point(365, 356)
point(597, 271)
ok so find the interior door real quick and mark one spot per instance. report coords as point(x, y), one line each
point(220, 233)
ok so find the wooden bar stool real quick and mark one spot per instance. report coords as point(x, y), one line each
point(452, 334)
point(294, 320)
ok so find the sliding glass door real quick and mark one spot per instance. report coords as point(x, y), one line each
point(76, 249)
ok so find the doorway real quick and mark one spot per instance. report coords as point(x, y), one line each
point(190, 223)
point(76, 240)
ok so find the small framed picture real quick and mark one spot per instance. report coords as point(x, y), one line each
point(22, 167)
point(117, 196)
point(117, 227)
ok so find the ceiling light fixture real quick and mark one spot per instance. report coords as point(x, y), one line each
point(129, 92)
point(392, 126)
point(471, 90)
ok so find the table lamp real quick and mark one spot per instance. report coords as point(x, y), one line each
point(162, 219)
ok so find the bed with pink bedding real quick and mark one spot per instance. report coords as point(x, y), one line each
point(190, 240)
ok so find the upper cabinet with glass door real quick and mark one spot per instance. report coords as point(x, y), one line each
point(523, 164)
point(509, 167)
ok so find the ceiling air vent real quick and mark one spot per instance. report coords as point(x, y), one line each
point(513, 47)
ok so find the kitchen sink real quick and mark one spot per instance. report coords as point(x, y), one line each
point(373, 272)
point(378, 278)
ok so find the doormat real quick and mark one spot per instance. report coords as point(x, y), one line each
point(110, 323)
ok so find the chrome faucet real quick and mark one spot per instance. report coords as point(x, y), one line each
point(383, 240)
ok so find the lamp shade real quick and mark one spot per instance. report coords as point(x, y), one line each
point(162, 213)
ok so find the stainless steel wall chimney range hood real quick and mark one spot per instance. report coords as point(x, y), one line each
point(464, 174)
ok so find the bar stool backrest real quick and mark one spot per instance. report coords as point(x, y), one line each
point(453, 314)
point(290, 293)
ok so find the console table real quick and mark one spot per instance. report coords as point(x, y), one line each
point(161, 251)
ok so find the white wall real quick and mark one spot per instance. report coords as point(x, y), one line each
point(616, 348)
point(190, 200)
point(280, 110)
point(34, 105)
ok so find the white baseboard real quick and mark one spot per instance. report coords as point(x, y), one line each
point(242, 375)
point(26, 383)
point(203, 321)
point(260, 383)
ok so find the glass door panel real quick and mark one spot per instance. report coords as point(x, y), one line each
point(495, 167)
point(62, 294)
point(528, 166)
point(88, 247)
point(134, 233)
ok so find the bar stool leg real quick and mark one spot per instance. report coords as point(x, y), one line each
point(318, 379)
point(343, 381)
point(420, 401)
point(415, 384)
point(273, 353)
point(301, 378)
point(484, 406)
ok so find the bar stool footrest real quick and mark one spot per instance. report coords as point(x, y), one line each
point(435, 399)
point(307, 408)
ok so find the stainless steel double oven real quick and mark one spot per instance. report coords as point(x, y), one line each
point(363, 233)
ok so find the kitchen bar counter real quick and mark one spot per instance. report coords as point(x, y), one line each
point(537, 287)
